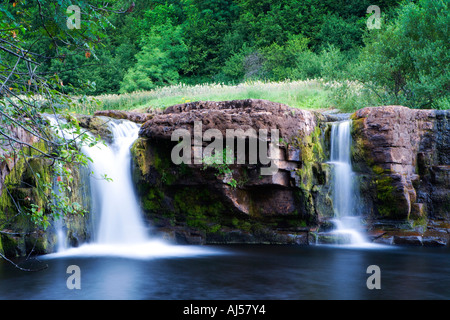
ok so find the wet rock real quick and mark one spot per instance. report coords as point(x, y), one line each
point(333, 238)
point(96, 125)
point(19, 189)
point(127, 115)
point(384, 239)
point(434, 241)
point(402, 154)
point(407, 240)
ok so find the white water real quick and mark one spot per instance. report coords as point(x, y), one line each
point(58, 225)
point(115, 201)
point(347, 220)
point(121, 230)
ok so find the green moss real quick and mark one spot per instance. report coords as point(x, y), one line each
point(243, 225)
point(312, 152)
point(25, 186)
point(199, 208)
point(9, 246)
point(38, 243)
point(152, 201)
point(156, 158)
point(361, 156)
point(312, 146)
point(387, 201)
point(385, 196)
point(420, 222)
point(11, 183)
point(378, 170)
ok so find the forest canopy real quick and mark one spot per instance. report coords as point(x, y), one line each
point(157, 43)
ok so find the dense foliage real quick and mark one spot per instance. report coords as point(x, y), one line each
point(191, 41)
point(161, 42)
point(407, 61)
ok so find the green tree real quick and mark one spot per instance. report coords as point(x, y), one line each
point(205, 26)
point(280, 61)
point(407, 61)
point(162, 57)
point(341, 33)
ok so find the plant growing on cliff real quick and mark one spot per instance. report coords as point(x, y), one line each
point(219, 161)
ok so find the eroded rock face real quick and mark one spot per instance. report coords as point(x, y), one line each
point(404, 156)
point(233, 202)
point(401, 157)
point(236, 114)
point(7, 154)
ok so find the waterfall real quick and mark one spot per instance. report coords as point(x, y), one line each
point(113, 191)
point(347, 220)
point(121, 230)
point(59, 227)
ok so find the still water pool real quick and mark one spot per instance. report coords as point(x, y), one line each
point(240, 272)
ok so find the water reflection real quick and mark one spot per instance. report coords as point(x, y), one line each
point(246, 272)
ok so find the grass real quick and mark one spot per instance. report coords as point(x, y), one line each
point(309, 94)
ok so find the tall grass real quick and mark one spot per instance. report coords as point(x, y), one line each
point(310, 94)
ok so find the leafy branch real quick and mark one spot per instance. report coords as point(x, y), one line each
point(33, 35)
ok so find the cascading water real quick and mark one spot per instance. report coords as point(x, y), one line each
point(121, 230)
point(58, 224)
point(344, 196)
point(60, 232)
point(114, 198)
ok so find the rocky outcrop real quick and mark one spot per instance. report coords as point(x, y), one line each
point(400, 155)
point(403, 158)
point(232, 115)
point(235, 202)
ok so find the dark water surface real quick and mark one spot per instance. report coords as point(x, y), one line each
point(242, 272)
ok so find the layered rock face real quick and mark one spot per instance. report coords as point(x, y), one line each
point(235, 202)
point(403, 157)
point(400, 156)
